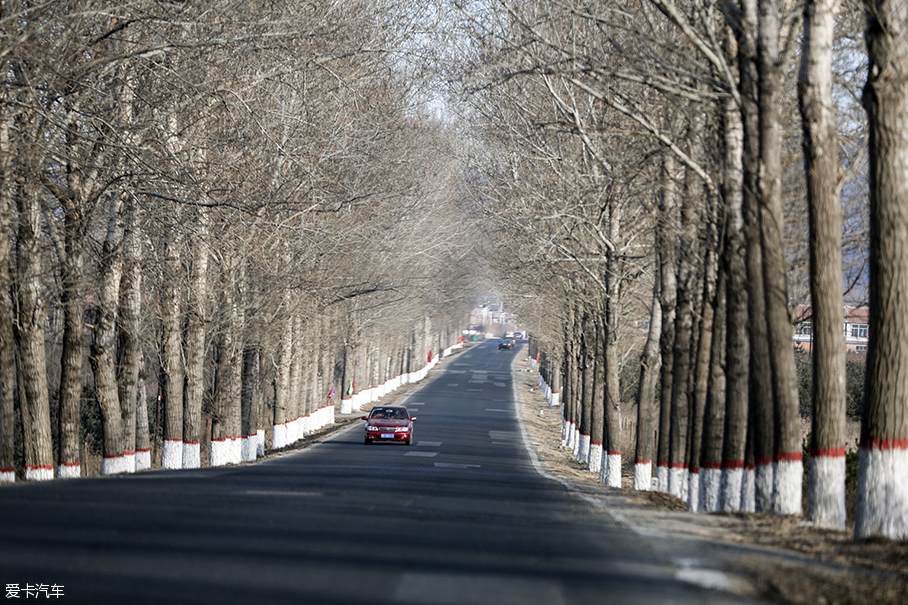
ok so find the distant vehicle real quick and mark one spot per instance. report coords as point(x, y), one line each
point(506, 344)
point(391, 423)
point(518, 335)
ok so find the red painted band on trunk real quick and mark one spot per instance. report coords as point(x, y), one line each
point(677, 465)
point(67, 464)
point(174, 440)
point(828, 452)
point(188, 442)
point(879, 443)
point(123, 455)
point(763, 461)
point(43, 467)
point(695, 470)
point(7, 470)
point(143, 449)
point(662, 463)
point(582, 434)
point(733, 464)
point(643, 462)
point(789, 457)
point(751, 466)
point(614, 453)
point(712, 465)
point(595, 443)
point(221, 440)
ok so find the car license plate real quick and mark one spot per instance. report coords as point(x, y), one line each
point(387, 435)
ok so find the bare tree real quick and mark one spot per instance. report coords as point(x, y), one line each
point(827, 452)
point(882, 498)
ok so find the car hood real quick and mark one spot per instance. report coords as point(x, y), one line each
point(386, 422)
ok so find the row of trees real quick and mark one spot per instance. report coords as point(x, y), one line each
point(236, 209)
point(642, 151)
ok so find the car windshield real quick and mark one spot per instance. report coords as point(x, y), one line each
point(388, 413)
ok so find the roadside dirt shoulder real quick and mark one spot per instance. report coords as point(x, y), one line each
point(784, 557)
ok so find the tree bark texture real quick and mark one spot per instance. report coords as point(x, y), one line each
point(29, 330)
point(668, 292)
point(172, 369)
point(650, 365)
point(882, 489)
point(117, 459)
point(826, 502)
point(195, 342)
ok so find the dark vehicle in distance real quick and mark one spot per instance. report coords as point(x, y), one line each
point(506, 344)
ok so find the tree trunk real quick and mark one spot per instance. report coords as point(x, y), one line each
point(29, 329)
point(650, 364)
point(7, 335)
point(195, 343)
point(706, 360)
point(283, 360)
point(249, 403)
point(226, 382)
point(72, 357)
point(585, 388)
point(598, 438)
point(710, 452)
point(171, 370)
point(882, 492)
point(143, 435)
point(117, 459)
point(129, 334)
point(611, 471)
point(731, 421)
point(826, 501)
point(787, 456)
point(668, 292)
point(761, 408)
point(681, 350)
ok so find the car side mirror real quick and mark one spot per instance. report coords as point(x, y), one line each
point(365, 417)
point(412, 418)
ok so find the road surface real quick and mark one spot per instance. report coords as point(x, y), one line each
point(460, 517)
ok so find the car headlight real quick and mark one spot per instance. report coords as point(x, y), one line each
point(402, 429)
point(372, 428)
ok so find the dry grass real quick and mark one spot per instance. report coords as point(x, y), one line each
point(833, 569)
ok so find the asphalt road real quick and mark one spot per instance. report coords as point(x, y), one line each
point(459, 517)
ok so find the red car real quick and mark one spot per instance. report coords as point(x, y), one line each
point(389, 423)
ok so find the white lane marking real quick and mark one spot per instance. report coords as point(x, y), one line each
point(429, 443)
point(503, 436)
point(453, 465)
point(422, 454)
point(453, 384)
point(474, 390)
point(499, 384)
point(414, 403)
point(254, 492)
point(491, 589)
point(498, 410)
